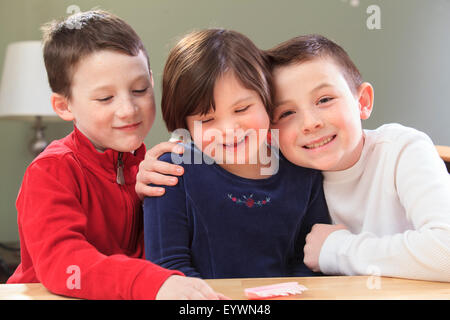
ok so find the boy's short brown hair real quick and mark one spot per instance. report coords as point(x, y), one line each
point(66, 42)
point(308, 47)
point(198, 60)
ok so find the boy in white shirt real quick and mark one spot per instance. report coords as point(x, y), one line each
point(387, 190)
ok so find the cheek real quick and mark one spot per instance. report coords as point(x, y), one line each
point(258, 119)
point(289, 145)
point(344, 115)
point(288, 137)
point(96, 119)
point(350, 127)
point(192, 128)
point(150, 114)
point(202, 137)
point(259, 123)
point(207, 137)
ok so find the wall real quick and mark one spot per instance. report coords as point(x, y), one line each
point(407, 60)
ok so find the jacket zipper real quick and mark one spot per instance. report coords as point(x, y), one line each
point(120, 179)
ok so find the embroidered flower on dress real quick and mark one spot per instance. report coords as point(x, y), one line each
point(249, 201)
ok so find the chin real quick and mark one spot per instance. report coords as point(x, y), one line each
point(306, 164)
point(325, 166)
point(129, 147)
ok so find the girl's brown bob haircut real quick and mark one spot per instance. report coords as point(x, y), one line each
point(198, 60)
point(305, 48)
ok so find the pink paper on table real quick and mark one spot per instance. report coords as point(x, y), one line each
point(275, 290)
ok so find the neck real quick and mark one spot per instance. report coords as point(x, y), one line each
point(356, 154)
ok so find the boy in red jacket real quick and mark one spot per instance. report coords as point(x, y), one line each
point(80, 220)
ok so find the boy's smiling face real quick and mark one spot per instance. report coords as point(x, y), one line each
point(318, 115)
point(112, 101)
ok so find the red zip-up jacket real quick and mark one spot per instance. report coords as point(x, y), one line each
point(81, 232)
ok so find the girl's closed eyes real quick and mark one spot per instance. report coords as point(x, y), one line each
point(207, 120)
point(106, 99)
point(243, 109)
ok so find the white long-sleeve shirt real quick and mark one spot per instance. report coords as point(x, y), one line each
point(395, 202)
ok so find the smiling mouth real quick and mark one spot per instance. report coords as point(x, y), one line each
point(130, 126)
point(319, 144)
point(235, 144)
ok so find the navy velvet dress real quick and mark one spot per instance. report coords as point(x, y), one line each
point(214, 224)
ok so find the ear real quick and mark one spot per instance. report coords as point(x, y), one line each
point(61, 106)
point(365, 99)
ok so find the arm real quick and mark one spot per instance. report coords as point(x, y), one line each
point(152, 170)
point(167, 229)
point(54, 224)
point(317, 213)
point(423, 188)
point(314, 242)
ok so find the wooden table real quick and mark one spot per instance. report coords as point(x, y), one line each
point(345, 288)
point(319, 288)
point(27, 291)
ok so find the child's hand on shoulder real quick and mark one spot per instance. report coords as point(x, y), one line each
point(152, 170)
point(314, 241)
point(187, 288)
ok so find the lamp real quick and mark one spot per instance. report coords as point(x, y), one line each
point(24, 90)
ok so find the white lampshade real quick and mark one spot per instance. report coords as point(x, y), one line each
point(24, 89)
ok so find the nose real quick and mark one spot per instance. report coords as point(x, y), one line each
point(229, 128)
point(311, 121)
point(127, 107)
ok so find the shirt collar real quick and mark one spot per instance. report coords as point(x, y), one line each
point(105, 163)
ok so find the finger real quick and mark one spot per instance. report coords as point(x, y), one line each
point(305, 253)
point(147, 191)
point(308, 237)
point(162, 148)
point(204, 289)
point(307, 262)
point(154, 165)
point(307, 249)
point(160, 179)
point(208, 292)
point(166, 168)
point(223, 297)
point(196, 295)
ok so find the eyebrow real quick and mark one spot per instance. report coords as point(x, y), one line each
point(321, 86)
point(107, 86)
point(238, 101)
point(317, 88)
point(242, 100)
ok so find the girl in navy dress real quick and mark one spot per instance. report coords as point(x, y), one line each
point(240, 209)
